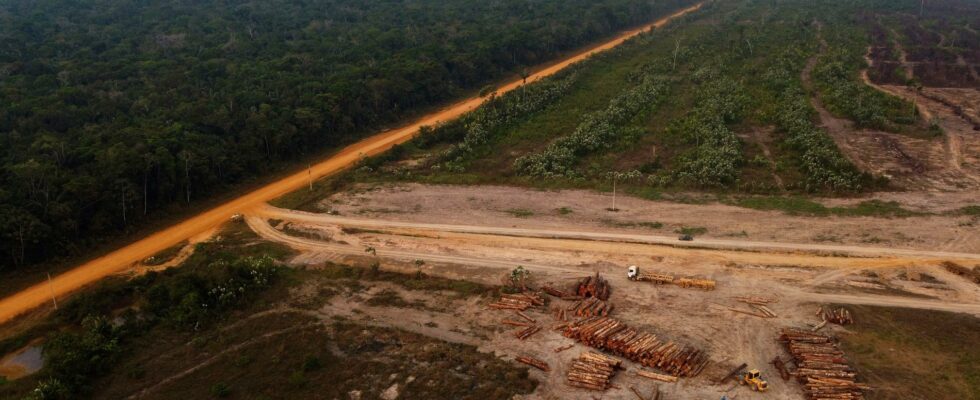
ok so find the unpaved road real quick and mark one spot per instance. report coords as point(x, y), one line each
point(262, 228)
point(712, 243)
point(123, 258)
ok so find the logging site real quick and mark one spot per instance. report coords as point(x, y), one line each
point(507, 200)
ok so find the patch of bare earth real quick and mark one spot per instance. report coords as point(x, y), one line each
point(586, 210)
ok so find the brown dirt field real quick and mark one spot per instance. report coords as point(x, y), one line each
point(689, 316)
point(493, 205)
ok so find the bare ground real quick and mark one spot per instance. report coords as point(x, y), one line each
point(518, 207)
point(685, 315)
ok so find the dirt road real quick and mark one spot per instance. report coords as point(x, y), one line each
point(123, 258)
point(262, 228)
point(711, 243)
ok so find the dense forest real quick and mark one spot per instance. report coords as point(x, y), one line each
point(114, 110)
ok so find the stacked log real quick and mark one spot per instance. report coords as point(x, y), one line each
point(612, 335)
point(593, 371)
point(821, 366)
point(534, 362)
point(528, 332)
point(656, 277)
point(590, 307)
point(594, 286)
point(704, 284)
point(757, 300)
point(561, 294)
point(521, 301)
point(840, 316)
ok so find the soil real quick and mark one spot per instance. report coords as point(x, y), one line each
point(688, 316)
point(490, 205)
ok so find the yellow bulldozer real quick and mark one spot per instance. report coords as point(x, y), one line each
point(754, 379)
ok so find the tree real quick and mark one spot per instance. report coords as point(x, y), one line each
point(621, 176)
point(519, 277)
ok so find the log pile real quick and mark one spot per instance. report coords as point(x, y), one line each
point(534, 362)
point(560, 314)
point(840, 316)
point(756, 300)
point(594, 286)
point(656, 376)
point(520, 301)
point(528, 332)
point(704, 284)
point(609, 334)
point(592, 370)
point(821, 367)
point(561, 294)
point(590, 307)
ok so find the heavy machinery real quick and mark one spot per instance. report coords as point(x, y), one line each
point(753, 378)
point(634, 274)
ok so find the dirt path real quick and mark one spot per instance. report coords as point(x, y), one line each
point(700, 243)
point(123, 258)
point(505, 264)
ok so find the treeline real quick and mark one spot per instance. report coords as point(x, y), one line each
point(114, 110)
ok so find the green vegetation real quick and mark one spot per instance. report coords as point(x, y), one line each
point(165, 255)
point(713, 101)
point(116, 112)
point(86, 337)
point(801, 206)
point(971, 210)
point(350, 275)
point(691, 230)
point(905, 353)
point(520, 212)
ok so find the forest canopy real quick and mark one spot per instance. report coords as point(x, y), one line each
point(112, 110)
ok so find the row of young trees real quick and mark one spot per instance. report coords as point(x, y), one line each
point(598, 130)
point(716, 155)
point(114, 110)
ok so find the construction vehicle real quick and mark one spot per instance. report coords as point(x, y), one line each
point(753, 378)
point(634, 274)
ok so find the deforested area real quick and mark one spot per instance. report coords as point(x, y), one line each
point(620, 200)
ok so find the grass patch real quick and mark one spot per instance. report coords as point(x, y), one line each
point(388, 298)
point(911, 354)
point(806, 207)
point(407, 281)
point(631, 224)
point(973, 210)
point(165, 255)
point(691, 230)
point(564, 211)
point(520, 212)
point(293, 356)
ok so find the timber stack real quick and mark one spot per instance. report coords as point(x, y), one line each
point(561, 294)
point(704, 284)
point(616, 337)
point(594, 286)
point(593, 371)
point(520, 301)
point(840, 316)
point(591, 307)
point(534, 362)
point(821, 367)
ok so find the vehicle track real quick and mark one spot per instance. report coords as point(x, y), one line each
point(263, 229)
point(270, 212)
point(123, 258)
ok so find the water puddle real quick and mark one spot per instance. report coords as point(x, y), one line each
point(23, 362)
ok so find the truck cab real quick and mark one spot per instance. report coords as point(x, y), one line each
point(633, 272)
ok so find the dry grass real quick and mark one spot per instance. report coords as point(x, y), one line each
point(914, 354)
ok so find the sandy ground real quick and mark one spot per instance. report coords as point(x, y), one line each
point(123, 258)
point(688, 316)
point(497, 205)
